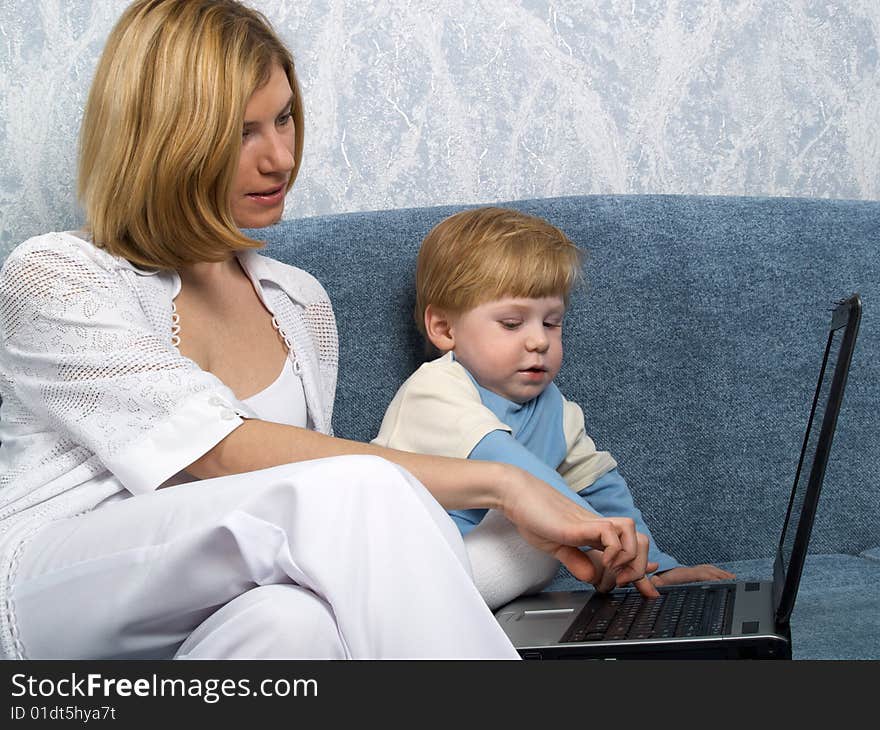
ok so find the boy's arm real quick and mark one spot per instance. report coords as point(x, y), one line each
point(502, 446)
point(437, 411)
point(610, 495)
point(594, 476)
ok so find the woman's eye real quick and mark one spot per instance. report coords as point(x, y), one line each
point(284, 119)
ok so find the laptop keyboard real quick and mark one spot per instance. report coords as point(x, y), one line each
point(695, 611)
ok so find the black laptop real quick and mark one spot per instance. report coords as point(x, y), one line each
point(724, 620)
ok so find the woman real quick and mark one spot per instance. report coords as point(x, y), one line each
point(157, 349)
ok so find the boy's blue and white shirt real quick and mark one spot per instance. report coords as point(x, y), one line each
point(442, 410)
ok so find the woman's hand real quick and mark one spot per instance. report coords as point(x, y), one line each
point(558, 526)
point(607, 580)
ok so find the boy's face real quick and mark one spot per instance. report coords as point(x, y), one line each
point(512, 346)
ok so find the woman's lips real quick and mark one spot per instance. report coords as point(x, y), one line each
point(269, 197)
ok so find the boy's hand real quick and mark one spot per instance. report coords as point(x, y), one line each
point(690, 574)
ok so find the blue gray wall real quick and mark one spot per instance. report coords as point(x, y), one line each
point(414, 103)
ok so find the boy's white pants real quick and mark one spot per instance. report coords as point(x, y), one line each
point(348, 557)
point(503, 564)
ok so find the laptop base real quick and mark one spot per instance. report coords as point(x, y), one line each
point(537, 625)
point(777, 646)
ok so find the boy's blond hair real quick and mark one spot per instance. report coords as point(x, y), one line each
point(161, 134)
point(485, 254)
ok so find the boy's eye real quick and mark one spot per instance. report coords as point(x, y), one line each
point(553, 325)
point(510, 324)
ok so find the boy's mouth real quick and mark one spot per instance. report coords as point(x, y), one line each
point(535, 369)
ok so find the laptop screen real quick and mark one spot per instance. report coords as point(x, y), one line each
point(814, 455)
point(811, 441)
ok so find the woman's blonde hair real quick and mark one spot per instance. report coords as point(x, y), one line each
point(485, 254)
point(161, 135)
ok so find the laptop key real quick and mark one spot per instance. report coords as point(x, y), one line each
point(716, 618)
point(669, 614)
point(643, 625)
point(602, 618)
point(597, 612)
point(625, 617)
point(690, 623)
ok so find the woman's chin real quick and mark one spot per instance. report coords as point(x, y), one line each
point(259, 220)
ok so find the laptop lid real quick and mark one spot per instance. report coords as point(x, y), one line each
point(792, 550)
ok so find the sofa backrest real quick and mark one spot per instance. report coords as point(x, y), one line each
point(693, 349)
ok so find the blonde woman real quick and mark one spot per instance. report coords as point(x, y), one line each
point(169, 482)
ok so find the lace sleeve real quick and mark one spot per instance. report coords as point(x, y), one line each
point(86, 361)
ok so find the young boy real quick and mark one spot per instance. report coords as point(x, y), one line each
point(492, 286)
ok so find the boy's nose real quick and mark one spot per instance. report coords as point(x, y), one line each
point(537, 342)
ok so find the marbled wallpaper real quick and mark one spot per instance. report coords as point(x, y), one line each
point(412, 103)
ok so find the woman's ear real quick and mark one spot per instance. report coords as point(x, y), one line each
point(438, 327)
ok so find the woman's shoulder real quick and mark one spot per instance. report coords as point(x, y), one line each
point(60, 271)
point(58, 250)
point(50, 242)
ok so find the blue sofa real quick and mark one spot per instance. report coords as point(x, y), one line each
point(694, 349)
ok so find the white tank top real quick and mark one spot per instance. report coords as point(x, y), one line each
point(284, 401)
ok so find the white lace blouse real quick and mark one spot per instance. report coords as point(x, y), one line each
point(96, 398)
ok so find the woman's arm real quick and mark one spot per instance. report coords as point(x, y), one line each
point(545, 518)
point(261, 444)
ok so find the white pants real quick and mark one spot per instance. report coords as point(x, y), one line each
point(345, 557)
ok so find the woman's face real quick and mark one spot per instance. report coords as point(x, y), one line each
point(266, 160)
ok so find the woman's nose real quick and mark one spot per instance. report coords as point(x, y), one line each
point(277, 155)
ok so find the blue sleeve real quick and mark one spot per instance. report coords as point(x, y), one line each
point(610, 495)
point(501, 446)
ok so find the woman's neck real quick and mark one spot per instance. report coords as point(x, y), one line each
point(210, 275)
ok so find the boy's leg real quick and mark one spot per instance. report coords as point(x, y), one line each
point(503, 564)
point(135, 578)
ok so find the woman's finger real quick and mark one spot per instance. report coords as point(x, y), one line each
point(629, 542)
point(577, 563)
point(646, 587)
